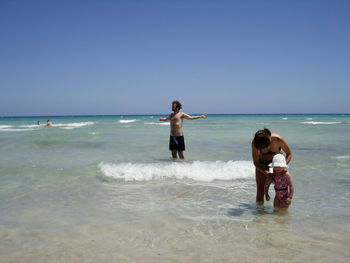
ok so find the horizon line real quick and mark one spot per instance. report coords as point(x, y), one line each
point(158, 114)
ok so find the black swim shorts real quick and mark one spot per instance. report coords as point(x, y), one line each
point(177, 143)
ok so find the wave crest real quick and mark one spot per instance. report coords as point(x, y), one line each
point(69, 126)
point(18, 128)
point(343, 157)
point(205, 171)
point(321, 122)
point(157, 123)
point(32, 127)
point(127, 121)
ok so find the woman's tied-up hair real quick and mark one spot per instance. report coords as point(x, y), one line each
point(261, 138)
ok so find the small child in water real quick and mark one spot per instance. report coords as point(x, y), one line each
point(284, 185)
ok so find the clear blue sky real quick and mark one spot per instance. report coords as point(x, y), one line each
point(134, 57)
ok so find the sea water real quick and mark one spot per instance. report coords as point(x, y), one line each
point(105, 189)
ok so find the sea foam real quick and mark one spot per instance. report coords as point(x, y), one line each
point(69, 126)
point(127, 121)
point(18, 128)
point(3, 127)
point(32, 127)
point(321, 122)
point(342, 158)
point(205, 171)
point(157, 123)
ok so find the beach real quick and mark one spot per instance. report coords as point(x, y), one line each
point(105, 189)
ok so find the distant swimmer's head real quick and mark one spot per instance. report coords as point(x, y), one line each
point(176, 105)
point(262, 139)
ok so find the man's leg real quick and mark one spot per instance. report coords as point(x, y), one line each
point(181, 146)
point(174, 154)
point(181, 154)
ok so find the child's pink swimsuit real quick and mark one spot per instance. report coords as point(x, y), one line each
point(281, 185)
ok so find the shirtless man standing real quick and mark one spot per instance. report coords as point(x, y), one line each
point(177, 142)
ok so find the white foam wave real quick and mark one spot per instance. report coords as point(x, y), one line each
point(18, 128)
point(157, 123)
point(343, 157)
point(204, 171)
point(69, 126)
point(309, 119)
point(126, 121)
point(14, 129)
point(32, 126)
point(321, 122)
point(284, 118)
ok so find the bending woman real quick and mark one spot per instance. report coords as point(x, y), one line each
point(264, 146)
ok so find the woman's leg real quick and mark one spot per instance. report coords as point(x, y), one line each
point(260, 185)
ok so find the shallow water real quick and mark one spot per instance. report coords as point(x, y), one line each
point(104, 189)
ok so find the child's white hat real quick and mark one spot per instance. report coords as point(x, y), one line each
point(279, 161)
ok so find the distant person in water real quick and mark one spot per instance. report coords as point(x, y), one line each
point(48, 123)
point(284, 186)
point(177, 142)
point(265, 146)
point(38, 122)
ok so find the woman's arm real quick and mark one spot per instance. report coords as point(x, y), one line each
point(266, 187)
point(285, 147)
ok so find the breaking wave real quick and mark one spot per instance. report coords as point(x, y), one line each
point(205, 171)
point(321, 122)
point(127, 121)
point(32, 127)
point(157, 123)
point(69, 126)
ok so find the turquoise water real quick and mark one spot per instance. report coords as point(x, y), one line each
point(104, 189)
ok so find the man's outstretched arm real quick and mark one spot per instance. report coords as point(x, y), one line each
point(188, 117)
point(165, 119)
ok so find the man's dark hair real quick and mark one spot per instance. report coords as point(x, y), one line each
point(261, 138)
point(178, 104)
